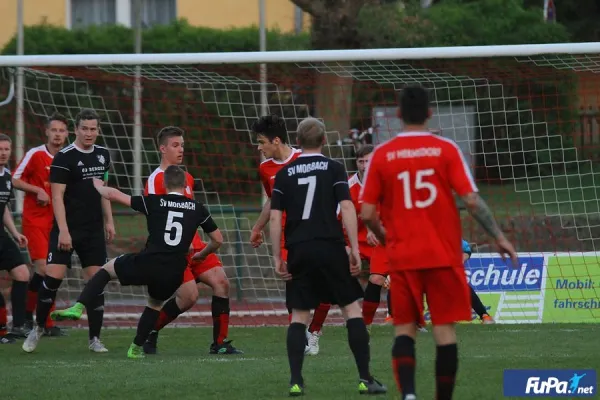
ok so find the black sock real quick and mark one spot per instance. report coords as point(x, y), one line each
point(403, 355)
point(46, 296)
point(358, 338)
point(94, 287)
point(389, 302)
point(145, 325)
point(18, 299)
point(477, 304)
point(446, 365)
point(34, 286)
point(296, 337)
point(219, 307)
point(95, 313)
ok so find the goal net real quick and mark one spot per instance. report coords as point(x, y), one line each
point(528, 123)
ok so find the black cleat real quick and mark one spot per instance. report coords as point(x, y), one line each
point(372, 386)
point(151, 343)
point(225, 348)
point(6, 340)
point(55, 331)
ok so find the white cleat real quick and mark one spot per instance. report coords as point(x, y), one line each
point(313, 344)
point(32, 339)
point(410, 397)
point(421, 329)
point(97, 346)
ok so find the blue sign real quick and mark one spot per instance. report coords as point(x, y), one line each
point(491, 274)
point(550, 383)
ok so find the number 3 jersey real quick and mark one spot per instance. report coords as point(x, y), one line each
point(412, 178)
point(309, 190)
point(173, 221)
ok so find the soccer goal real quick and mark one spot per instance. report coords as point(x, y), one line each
point(526, 118)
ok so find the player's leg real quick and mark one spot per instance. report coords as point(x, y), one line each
point(18, 298)
point(314, 332)
point(449, 302)
point(184, 299)
point(378, 270)
point(479, 308)
point(295, 344)
point(5, 338)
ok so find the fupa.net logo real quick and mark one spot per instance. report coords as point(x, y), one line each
point(550, 383)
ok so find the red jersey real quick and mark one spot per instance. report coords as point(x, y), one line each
point(412, 177)
point(156, 185)
point(34, 169)
point(355, 187)
point(270, 167)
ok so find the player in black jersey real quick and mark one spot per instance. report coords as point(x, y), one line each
point(318, 269)
point(11, 259)
point(172, 221)
point(82, 223)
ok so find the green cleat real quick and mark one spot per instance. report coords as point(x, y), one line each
point(72, 313)
point(296, 390)
point(135, 351)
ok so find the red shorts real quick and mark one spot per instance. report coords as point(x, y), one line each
point(445, 289)
point(378, 264)
point(37, 237)
point(365, 250)
point(195, 269)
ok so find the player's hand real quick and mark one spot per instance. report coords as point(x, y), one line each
point(109, 231)
point(354, 262)
point(256, 238)
point(198, 257)
point(372, 239)
point(42, 198)
point(505, 248)
point(65, 243)
point(281, 269)
point(98, 182)
point(21, 240)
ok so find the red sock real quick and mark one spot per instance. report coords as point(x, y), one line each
point(49, 321)
point(369, 309)
point(32, 298)
point(3, 320)
point(289, 318)
point(319, 317)
point(163, 320)
point(223, 328)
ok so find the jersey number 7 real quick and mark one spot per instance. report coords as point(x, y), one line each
point(419, 184)
point(311, 181)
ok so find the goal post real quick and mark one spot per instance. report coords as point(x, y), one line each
point(525, 116)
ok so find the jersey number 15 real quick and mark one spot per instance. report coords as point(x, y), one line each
point(419, 184)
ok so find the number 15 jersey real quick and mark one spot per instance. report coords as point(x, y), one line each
point(412, 177)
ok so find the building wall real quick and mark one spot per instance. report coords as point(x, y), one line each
point(34, 12)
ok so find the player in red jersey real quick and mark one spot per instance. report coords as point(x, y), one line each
point(412, 178)
point(271, 134)
point(208, 271)
point(33, 177)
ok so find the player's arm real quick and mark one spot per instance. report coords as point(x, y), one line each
point(109, 224)
point(111, 194)
point(466, 249)
point(213, 232)
point(9, 223)
point(265, 214)
point(19, 181)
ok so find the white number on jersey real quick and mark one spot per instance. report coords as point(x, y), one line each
point(419, 184)
point(172, 224)
point(311, 181)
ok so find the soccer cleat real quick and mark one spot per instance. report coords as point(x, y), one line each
point(19, 332)
point(135, 351)
point(33, 339)
point(372, 386)
point(72, 313)
point(97, 346)
point(225, 348)
point(296, 390)
point(410, 397)
point(7, 340)
point(151, 344)
point(55, 331)
point(487, 319)
point(421, 328)
point(313, 344)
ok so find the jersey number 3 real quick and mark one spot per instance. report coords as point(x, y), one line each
point(172, 224)
point(419, 184)
point(311, 181)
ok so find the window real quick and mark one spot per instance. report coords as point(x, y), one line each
point(93, 12)
point(155, 12)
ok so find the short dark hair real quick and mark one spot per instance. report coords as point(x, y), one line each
point(364, 150)
point(271, 126)
point(174, 177)
point(311, 133)
point(414, 105)
point(168, 132)
point(5, 138)
point(86, 114)
point(56, 116)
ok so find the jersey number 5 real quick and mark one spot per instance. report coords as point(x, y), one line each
point(419, 184)
point(173, 225)
point(311, 181)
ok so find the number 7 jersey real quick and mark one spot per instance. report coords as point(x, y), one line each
point(412, 177)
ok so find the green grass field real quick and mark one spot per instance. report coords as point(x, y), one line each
point(63, 368)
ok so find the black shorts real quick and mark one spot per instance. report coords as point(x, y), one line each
point(320, 274)
point(90, 246)
point(10, 255)
point(162, 278)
